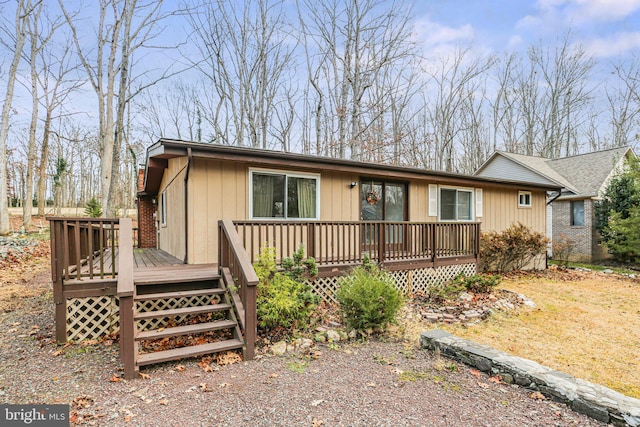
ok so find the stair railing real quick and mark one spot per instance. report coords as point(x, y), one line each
point(125, 293)
point(241, 280)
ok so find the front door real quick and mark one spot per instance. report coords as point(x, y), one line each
point(383, 201)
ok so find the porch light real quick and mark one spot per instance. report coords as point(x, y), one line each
point(353, 184)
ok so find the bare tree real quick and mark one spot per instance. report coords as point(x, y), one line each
point(456, 78)
point(124, 27)
point(19, 35)
point(351, 48)
point(244, 55)
point(564, 72)
point(624, 103)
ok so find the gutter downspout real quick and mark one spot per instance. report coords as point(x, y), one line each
point(546, 260)
point(186, 207)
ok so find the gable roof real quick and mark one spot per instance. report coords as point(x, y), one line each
point(581, 176)
point(159, 153)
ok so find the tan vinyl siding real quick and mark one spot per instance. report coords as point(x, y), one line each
point(501, 209)
point(171, 235)
point(219, 189)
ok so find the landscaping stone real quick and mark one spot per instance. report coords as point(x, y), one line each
point(607, 271)
point(320, 338)
point(593, 400)
point(302, 343)
point(333, 335)
point(279, 348)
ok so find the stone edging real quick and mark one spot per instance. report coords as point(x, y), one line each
point(593, 400)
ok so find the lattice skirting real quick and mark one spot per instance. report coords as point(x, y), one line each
point(408, 281)
point(93, 317)
point(168, 304)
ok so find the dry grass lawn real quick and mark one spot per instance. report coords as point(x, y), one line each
point(587, 326)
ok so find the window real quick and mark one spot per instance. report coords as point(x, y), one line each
point(524, 199)
point(456, 205)
point(163, 208)
point(577, 212)
point(283, 195)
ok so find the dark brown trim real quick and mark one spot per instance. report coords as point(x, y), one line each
point(186, 206)
point(168, 148)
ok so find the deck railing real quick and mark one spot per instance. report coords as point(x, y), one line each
point(84, 242)
point(241, 279)
point(334, 242)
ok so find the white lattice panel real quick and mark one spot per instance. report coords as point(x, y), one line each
point(407, 281)
point(92, 317)
point(326, 287)
point(168, 304)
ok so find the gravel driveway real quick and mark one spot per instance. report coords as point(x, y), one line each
point(361, 384)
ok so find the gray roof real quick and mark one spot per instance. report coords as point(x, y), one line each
point(589, 172)
point(580, 176)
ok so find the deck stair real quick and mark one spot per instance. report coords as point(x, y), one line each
point(175, 309)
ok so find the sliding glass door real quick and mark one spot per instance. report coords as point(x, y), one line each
point(383, 201)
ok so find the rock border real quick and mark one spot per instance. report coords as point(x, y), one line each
point(593, 400)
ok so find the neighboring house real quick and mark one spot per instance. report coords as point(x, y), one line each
point(583, 179)
point(195, 185)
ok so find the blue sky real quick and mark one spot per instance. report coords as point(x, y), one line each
point(606, 28)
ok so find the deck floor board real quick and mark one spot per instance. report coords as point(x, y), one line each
point(148, 265)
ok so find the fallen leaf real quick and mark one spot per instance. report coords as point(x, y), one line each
point(536, 395)
point(115, 379)
point(228, 358)
point(274, 375)
point(127, 418)
point(317, 423)
point(317, 402)
point(164, 402)
point(57, 353)
point(483, 385)
point(179, 368)
point(203, 386)
point(144, 376)
point(209, 368)
point(81, 402)
point(475, 372)
point(223, 385)
point(496, 379)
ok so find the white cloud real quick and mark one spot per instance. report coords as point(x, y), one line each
point(438, 40)
point(580, 12)
point(585, 11)
point(614, 45)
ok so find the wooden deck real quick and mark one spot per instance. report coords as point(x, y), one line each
point(150, 266)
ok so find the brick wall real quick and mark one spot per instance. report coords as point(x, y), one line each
point(146, 223)
point(581, 235)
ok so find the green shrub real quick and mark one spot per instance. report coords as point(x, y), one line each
point(282, 301)
point(511, 249)
point(298, 267)
point(93, 208)
point(368, 298)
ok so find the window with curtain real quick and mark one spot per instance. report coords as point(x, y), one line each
point(282, 195)
point(577, 212)
point(456, 205)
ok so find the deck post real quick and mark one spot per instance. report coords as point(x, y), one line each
point(126, 291)
point(381, 243)
point(60, 301)
point(434, 240)
point(311, 240)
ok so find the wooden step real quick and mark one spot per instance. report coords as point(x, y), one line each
point(192, 351)
point(185, 330)
point(181, 311)
point(180, 294)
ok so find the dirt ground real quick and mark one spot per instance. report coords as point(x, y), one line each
point(358, 384)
